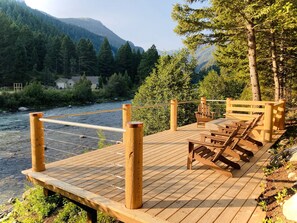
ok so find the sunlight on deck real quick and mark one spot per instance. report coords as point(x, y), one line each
point(171, 193)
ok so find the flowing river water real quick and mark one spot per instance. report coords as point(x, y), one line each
point(62, 141)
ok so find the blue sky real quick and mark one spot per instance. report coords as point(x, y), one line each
point(144, 22)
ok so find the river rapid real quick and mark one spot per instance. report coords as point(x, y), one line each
point(15, 154)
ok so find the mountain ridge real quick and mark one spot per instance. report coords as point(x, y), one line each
point(98, 28)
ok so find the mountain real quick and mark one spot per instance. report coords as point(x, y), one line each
point(204, 55)
point(98, 28)
point(41, 22)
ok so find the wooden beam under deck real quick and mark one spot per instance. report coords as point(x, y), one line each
point(171, 193)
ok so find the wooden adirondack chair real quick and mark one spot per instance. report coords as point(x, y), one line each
point(210, 150)
point(203, 113)
point(243, 135)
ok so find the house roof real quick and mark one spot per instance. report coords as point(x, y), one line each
point(63, 80)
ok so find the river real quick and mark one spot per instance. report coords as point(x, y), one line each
point(15, 153)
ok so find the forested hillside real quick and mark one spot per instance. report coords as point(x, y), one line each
point(37, 46)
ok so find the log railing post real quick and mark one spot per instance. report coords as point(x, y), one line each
point(228, 106)
point(268, 122)
point(283, 114)
point(126, 117)
point(173, 115)
point(134, 165)
point(37, 142)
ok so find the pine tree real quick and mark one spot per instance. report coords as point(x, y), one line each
point(53, 60)
point(106, 61)
point(87, 60)
point(147, 63)
point(225, 19)
point(67, 52)
point(9, 34)
point(124, 59)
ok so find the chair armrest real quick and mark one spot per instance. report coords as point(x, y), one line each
point(219, 133)
point(205, 143)
point(211, 137)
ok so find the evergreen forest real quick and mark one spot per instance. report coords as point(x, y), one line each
point(35, 47)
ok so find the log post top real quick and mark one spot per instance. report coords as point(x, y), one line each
point(34, 114)
point(134, 124)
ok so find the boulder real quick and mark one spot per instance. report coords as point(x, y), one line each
point(292, 176)
point(289, 208)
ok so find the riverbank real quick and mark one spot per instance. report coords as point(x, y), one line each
point(37, 97)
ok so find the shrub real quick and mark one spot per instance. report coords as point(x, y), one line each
point(82, 91)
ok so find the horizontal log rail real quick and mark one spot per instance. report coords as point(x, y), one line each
point(274, 114)
point(82, 125)
point(238, 102)
point(134, 145)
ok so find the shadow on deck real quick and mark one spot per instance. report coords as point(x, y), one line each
point(171, 193)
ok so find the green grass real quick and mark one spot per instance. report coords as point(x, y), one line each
point(36, 208)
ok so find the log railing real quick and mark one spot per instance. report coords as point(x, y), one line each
point(134, 145)
point(274, 118)
point(274, 114)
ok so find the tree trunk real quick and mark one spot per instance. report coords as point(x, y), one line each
point(274, 67)
point(281, 69)
point(253, 62)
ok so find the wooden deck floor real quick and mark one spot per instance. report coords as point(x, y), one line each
point(171, 192)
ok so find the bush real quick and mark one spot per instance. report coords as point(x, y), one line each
point(118, 86)
point(35, 206)
point(82, 91)
point(34, 91)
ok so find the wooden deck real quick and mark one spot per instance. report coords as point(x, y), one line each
point(171, 193)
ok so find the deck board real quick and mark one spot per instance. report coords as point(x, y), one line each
point(171, 193)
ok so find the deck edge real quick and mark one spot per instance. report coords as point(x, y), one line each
point(90, 199)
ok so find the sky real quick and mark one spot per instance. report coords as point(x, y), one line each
point(143, 22)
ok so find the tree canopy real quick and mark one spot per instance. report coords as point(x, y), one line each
point(249, 36)
point(171, 79)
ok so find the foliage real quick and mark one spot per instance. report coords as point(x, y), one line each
point(281, 195)
point(118, 85)
point(147, 63)
point(124, 60)
point(106, 63)
point(37, 47)
point(70, 213)
point(266, 28)
point(171, 79)
point(263, 205)
point(87, 60)
point(102, 140)
point(35, 207)
point(215, 86)
point(82, 90)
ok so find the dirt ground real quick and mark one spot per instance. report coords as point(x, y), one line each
point(279, 187)
point(277, 190)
